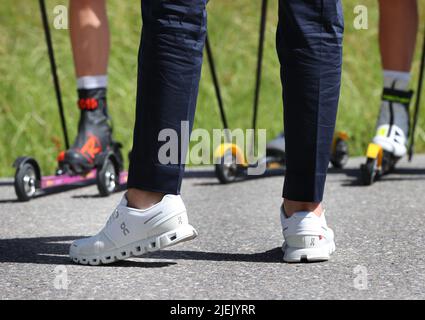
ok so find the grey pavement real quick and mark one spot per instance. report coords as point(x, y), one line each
point(379, 236)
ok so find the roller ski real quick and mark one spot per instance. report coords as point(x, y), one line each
point(94, 148)
point(391, 141)
point(232, 165)
point(93, 158)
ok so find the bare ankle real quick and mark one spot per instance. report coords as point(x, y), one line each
point(141, 199)
point(292, 207)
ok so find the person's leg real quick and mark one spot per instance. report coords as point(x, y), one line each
point(398, 28)
point(309, 42)
point(89, 33)
point(152, 215)
point(170, 62)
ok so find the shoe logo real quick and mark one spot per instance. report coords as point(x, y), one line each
point(91, 148)
point(312, 242)
point(113, 217)
point(180, 220)
point(124, 229)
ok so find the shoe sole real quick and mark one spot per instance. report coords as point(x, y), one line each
point(297, 255)
point(138, 248)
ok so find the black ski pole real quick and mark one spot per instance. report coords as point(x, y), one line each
point(417, 104)
point(216, 83)
point(54, 70)
point(259, 68)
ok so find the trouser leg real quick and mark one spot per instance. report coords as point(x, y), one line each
point(309, 44)
point(170, 61)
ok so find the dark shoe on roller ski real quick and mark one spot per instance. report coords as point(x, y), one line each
point(94, 133)
point(277, 145)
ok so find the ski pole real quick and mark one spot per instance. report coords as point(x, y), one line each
point(216, 83)
point(259, 69)
point(417, 104)
point(54, 70)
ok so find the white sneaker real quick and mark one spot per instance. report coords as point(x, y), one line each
point(392, 139)
point(307, 237)
point(131, 232)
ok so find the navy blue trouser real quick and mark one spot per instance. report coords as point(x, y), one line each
point(309, 45)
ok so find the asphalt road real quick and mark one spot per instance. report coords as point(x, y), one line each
point(379, 236)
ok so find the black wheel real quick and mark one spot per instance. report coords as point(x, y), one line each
point(389, 162)
point(275, 158)
point(227, 170)
point(118, 155)
point(107, 177)
point(368, 171)
point(340, 154)
point(26, 181)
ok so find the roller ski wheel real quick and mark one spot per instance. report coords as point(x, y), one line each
point(275, 152)
point(369, 171)
point(107, 175)
point(227, 170)
point(340, 151)
point(27, 179)
point(274, 164)
point(378, 163)
point(340, 154)
point(389, 162)
point(275, 159)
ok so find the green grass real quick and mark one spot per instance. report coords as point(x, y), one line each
point(29, 119)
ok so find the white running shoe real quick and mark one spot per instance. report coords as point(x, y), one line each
point(307, 237)
point(392, 139)
point(131, 232)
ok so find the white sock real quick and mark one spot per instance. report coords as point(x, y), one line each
point(400, 80)
point(92, 82)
